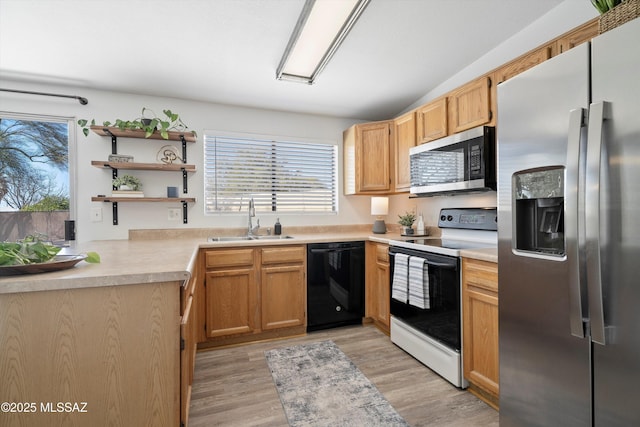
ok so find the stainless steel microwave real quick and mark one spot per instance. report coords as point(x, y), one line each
point(465, 161)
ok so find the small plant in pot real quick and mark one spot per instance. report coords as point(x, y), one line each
point(127, 183)
point(406, 221)
point(604, 6)
point(149, 122)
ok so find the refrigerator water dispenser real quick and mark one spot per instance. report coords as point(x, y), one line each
point(539, 218)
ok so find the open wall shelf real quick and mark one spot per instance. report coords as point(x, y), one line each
point(115, 133)
point(176, 167)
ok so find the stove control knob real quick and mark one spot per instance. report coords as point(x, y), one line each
point(442, 217)
point(450, 218)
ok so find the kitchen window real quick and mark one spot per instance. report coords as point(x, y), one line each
point(281, 175)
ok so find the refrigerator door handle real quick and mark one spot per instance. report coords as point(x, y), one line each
point(598, 113)
point(573, 187)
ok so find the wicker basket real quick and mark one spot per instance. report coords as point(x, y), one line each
point(624, 12)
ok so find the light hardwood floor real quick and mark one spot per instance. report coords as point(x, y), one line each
point(233, 386)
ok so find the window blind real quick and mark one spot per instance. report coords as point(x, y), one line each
point(281, 176)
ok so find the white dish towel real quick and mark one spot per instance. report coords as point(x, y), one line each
point(418, 282)
point(400, 280)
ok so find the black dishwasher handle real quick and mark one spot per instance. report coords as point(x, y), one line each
point(325, 251)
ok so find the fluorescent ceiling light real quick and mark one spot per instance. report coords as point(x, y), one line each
point(320, 29)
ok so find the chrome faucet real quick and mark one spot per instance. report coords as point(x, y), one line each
point(252, 212)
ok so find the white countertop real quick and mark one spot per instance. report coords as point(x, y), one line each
point(125, 262)
point(484, 254)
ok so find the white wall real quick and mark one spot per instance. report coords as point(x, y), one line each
point(198, 116)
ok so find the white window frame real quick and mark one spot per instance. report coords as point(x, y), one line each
point(273, 138)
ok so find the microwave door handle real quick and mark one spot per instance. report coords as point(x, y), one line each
point(572, 226)
point(598, 113)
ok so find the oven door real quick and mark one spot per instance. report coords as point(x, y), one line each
point(441, 321)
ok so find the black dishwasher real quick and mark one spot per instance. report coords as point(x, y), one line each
point(335, 284)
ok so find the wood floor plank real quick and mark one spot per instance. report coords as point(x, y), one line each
point(233, 386)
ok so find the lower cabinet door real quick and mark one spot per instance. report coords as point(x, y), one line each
point(482, 340)
point(383, 294)
point(231, 301)
point(282, 296)
point(480, 328)
point(187, 358)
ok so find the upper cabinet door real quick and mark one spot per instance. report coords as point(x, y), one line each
point(405, 138)
point(470, 105)
point(373, 156)
point(431, 120)
point(523, 63)
point(578, 36)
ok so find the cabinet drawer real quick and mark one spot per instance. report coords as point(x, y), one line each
point(481, 274)
point(229, 258)
point(382, 253)
point(284, 254)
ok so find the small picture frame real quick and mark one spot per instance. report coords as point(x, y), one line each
point(120, 158)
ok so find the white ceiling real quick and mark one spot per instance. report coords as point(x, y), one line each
point(227, 51)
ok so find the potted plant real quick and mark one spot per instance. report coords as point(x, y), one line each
point(605, 5)
point(149, 122)
point(127, 183)
point(406, 221)
point(614, 13)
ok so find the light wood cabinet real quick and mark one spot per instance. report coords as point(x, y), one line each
point(231, 292)
point(405, 138)
point(368, 158)
point(523, 63)
point(470, 105)
point(480, 328)
point(431, 120)
point(188, 340)
point(577, 36)
point(377, 285)
point(283, 287)
point(251, 293)
point(114, 347)
point(188, 347)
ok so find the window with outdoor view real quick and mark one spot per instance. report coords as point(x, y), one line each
point(281, 176)
point(34, 177)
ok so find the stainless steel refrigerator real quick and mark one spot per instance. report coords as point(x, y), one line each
point(569, 237)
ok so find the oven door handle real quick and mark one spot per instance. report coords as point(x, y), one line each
point(453, 265)
point(441, 264)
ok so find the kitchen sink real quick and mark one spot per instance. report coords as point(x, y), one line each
point(228, 238)
point(241, 238)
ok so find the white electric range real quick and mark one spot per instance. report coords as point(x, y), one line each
point(426, 315)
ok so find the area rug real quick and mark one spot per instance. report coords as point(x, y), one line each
point(320, 386)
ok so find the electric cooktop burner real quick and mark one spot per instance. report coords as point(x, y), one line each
point(463, 228)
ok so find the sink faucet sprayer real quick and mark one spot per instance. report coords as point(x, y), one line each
point(252, 212)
